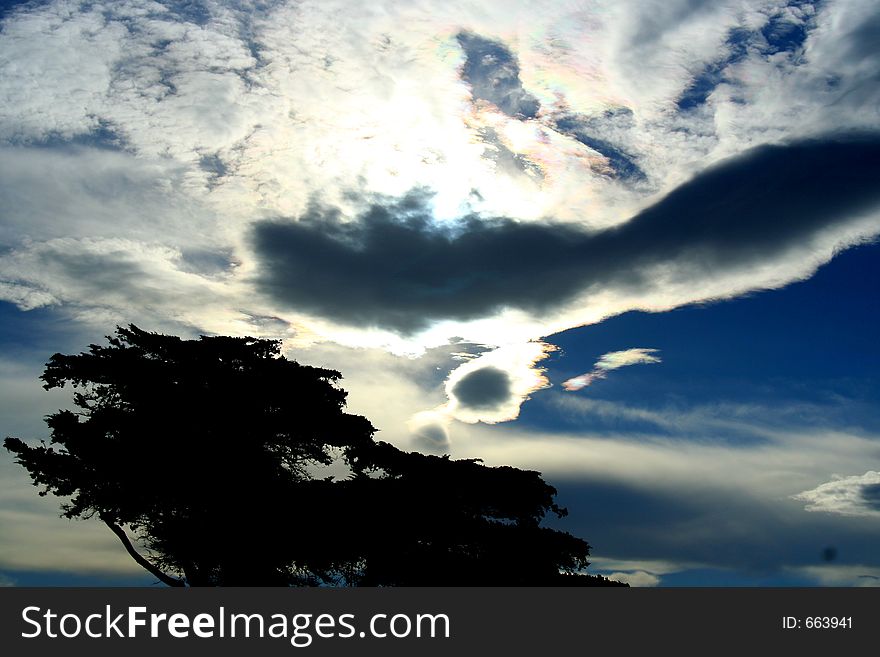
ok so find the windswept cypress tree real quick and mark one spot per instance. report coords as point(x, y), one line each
point(205, 452)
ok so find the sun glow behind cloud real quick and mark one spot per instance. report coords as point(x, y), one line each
point(245, 114)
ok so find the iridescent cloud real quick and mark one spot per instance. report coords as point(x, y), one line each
point(611, 361)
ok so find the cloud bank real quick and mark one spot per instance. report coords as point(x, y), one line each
point(396, 269)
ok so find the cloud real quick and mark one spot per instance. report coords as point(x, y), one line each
point(83, 191)
point(126, 277)
point(396, 269)
point(33, 537)
point(841, 575)
point(654, 567)
point(483, 388)
point(611, 361)
point(492, 387)
point(721, 422)
point(857, 495)
point(637, 578)
point(781, 32)
point(692, 504)
point(429, 432)
point(492, 71)
point(616, 359)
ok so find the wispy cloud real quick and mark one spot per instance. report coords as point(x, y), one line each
point(841, 575)
point(642, 497)
point(638, 578)
point(611, 361)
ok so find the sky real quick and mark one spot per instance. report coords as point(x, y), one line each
point(632, 245)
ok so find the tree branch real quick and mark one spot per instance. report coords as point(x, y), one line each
point(138, 557)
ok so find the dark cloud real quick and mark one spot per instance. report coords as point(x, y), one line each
point(268, 323)
point(96, 272)
point(396, 268)
point(214, 166)
point(485, 388)
point(871, 495)
point(207, 262)
point(431, 438)
point(492, 71)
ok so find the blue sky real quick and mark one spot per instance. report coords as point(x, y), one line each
point(811, 342)
point(630, 245)
point(800, 358)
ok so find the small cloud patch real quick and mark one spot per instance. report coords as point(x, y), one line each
point(857, 495)
point(611, 361)
point(638, 578)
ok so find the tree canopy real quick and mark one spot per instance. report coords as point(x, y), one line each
point(208, 453)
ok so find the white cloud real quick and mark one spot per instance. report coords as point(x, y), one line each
point(35, 538)
point(611, 361)
point(772, 470)
point(666, 504)
point(654, 567)
point(120, 281)
point(492, 387)
point(841, 575)
point(33, 535)
point(713, 421)
point(857, 495)
point(638, 578)
point(616, 359)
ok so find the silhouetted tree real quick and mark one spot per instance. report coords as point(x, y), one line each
point(208, 452)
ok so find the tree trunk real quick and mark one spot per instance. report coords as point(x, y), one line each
point(139, 558)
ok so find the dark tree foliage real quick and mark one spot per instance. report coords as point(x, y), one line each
point(207, 451)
